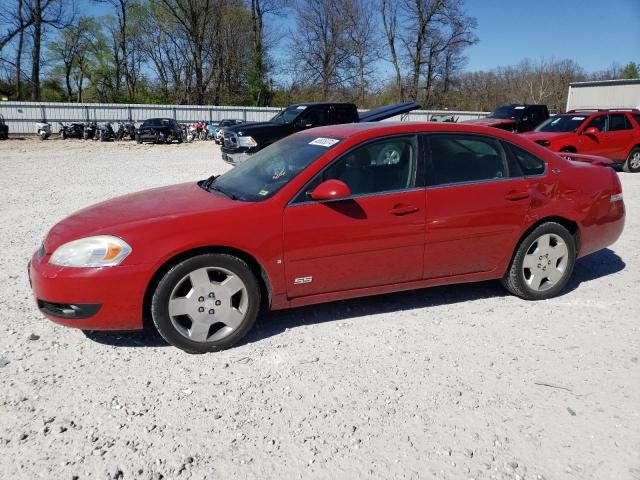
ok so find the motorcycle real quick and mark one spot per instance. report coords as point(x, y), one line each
point(105, 133)
point(44, 130)
point(126, 129)
point(89, 130)
point(75, 130)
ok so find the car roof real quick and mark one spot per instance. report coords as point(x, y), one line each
point(523, 105)
point(592, 111)
point(348, 130)
point(311, 104)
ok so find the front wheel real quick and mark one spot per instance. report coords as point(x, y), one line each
point(542, 263)
point(632, 163)
point(206, 303)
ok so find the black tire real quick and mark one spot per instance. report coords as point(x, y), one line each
point(164, 289)
point(138, 139)
point(627, 164)
point(514, 279)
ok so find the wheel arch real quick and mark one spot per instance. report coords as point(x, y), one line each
point(632, 149)
point(255, 266)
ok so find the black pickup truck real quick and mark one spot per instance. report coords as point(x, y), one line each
point(515, 117)
point(241, 141)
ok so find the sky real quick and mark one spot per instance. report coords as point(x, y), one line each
point(594, 33)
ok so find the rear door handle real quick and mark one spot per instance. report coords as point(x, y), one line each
point(403, 209)
point(514, 195)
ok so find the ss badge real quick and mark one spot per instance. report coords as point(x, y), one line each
point(302, 280)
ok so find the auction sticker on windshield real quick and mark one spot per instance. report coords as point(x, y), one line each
point(324, 142)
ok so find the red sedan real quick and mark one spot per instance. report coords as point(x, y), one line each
point(328, 214)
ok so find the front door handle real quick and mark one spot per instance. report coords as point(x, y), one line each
point(514, 195)
point(403, 209)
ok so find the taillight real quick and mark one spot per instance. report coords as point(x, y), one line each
point(616, 192)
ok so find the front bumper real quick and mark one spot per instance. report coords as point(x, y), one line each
point(236, 155)
point(108, 298)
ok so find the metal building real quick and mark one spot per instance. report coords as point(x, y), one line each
point(604, 94)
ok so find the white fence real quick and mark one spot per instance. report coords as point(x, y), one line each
point(22, 116)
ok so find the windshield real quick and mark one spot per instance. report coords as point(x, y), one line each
point(289, 114)
point(562, 123)
point(508, 111)
point(267, 171)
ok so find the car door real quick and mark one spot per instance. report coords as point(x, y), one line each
point(373, 237)
point(619, 136)
point(595, 143)
point(476, 204)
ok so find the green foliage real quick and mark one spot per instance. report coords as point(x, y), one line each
point(631, 70)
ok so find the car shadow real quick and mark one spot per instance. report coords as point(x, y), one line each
point(594, 266)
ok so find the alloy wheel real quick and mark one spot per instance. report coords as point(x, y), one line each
point(545, 262)
point(208, 304)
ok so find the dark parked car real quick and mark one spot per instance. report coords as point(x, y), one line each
point(243, 140)
point(515, 117)
point(4, 129)
point(226, 122)
point(159, 130)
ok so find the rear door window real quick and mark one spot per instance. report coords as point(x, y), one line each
point(619, 121)
point(636, 117)
point(342, 115)
point(529, 164)
point(459, 158)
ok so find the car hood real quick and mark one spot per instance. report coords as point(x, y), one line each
point(136, 210)
point(255, 127)
point(491, 122)
point(550, 136)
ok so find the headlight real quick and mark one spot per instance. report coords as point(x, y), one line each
point(247, 142)
point(98, 251)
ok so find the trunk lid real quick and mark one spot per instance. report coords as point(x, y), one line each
point(388, 111)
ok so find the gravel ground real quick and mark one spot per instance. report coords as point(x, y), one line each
point(451, 382)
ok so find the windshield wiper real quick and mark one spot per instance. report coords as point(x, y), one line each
point(209, 186)
point(215, 188)
point(209, 181)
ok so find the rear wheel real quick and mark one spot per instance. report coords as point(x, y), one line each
point(632, 163)
point(542, 263)
point(206, 303)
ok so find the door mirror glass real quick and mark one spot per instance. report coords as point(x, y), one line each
point(330, 190)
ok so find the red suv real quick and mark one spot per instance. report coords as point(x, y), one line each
point(614, 134)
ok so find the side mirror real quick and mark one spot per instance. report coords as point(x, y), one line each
point(330, 190)
point(591, 131)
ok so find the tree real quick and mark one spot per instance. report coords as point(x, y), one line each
point(320, 44)
point(43, 13)
point(389, 12)
point(194, 18)
point(630, 70)
point(362, 35)
point(258, 88)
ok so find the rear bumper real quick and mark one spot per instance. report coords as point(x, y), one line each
point(603, 228)
point(109, 298)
